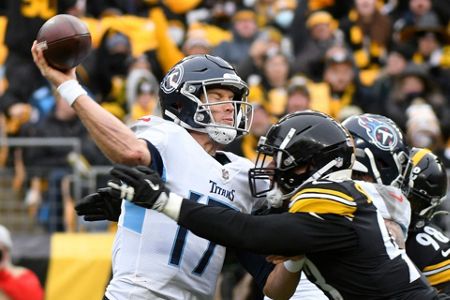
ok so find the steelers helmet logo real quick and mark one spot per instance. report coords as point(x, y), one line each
point(172, 80)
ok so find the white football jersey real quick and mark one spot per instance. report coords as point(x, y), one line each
point(153, 257)
point(390, 202)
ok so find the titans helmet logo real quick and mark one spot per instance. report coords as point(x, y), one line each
point(172, 80)
point(381, 134)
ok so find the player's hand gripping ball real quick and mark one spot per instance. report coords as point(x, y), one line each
point(65, 41)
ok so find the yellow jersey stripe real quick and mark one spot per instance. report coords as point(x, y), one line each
point(323, 196)
point(438, 278)
point(438, 267)
point(323, 206)
point(419, 155)
point(325, 191)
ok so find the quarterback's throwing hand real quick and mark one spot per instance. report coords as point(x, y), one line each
point(140, 185)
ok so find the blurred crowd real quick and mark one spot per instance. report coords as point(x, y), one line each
point(343, 58)
point(347, 57)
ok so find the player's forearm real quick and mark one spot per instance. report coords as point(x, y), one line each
point(281, 283)
point(112, 136)
point(396, 231)
point(260, 234)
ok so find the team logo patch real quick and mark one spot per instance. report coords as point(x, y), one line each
point(172, 80)
point(381, 134)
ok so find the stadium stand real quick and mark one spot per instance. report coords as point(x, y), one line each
point(401, 75)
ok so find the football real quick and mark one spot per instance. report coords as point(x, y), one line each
point(65, 41)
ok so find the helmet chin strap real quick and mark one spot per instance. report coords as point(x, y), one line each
point(373, 166)
point(221, 135)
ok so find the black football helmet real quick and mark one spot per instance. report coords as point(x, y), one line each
point(308, 139)
point(381, 150)
point(425, 184)
point(180, 92)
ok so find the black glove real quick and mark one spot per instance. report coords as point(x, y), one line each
point(103, 205)
point(140, 185)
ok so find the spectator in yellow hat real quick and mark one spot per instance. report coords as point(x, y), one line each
point(339, 87)
point(322, 35)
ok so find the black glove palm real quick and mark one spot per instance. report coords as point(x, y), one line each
point(147, 188)
point(103, 205)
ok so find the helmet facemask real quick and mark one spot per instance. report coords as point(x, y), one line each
point(204, 117)
point(283, 174)
point(380, 170)
point(401, 160)
point(425, 183)
point(263, 170)
point(300, 148)
point(275, 165)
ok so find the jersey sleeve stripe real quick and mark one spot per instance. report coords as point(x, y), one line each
point(324, 196)
point(438, 278)
point(323, 206)
point(438, 267)
point(325, 191)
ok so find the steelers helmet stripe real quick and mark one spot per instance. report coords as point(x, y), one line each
point(419, 155)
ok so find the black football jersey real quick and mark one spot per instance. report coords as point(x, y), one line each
point(350, 254)
point(429, 248)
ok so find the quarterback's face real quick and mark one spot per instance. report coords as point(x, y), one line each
point(222, 113)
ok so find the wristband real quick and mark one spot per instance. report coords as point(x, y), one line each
point(70, 90)
point(171, 207)
point(294, 266)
